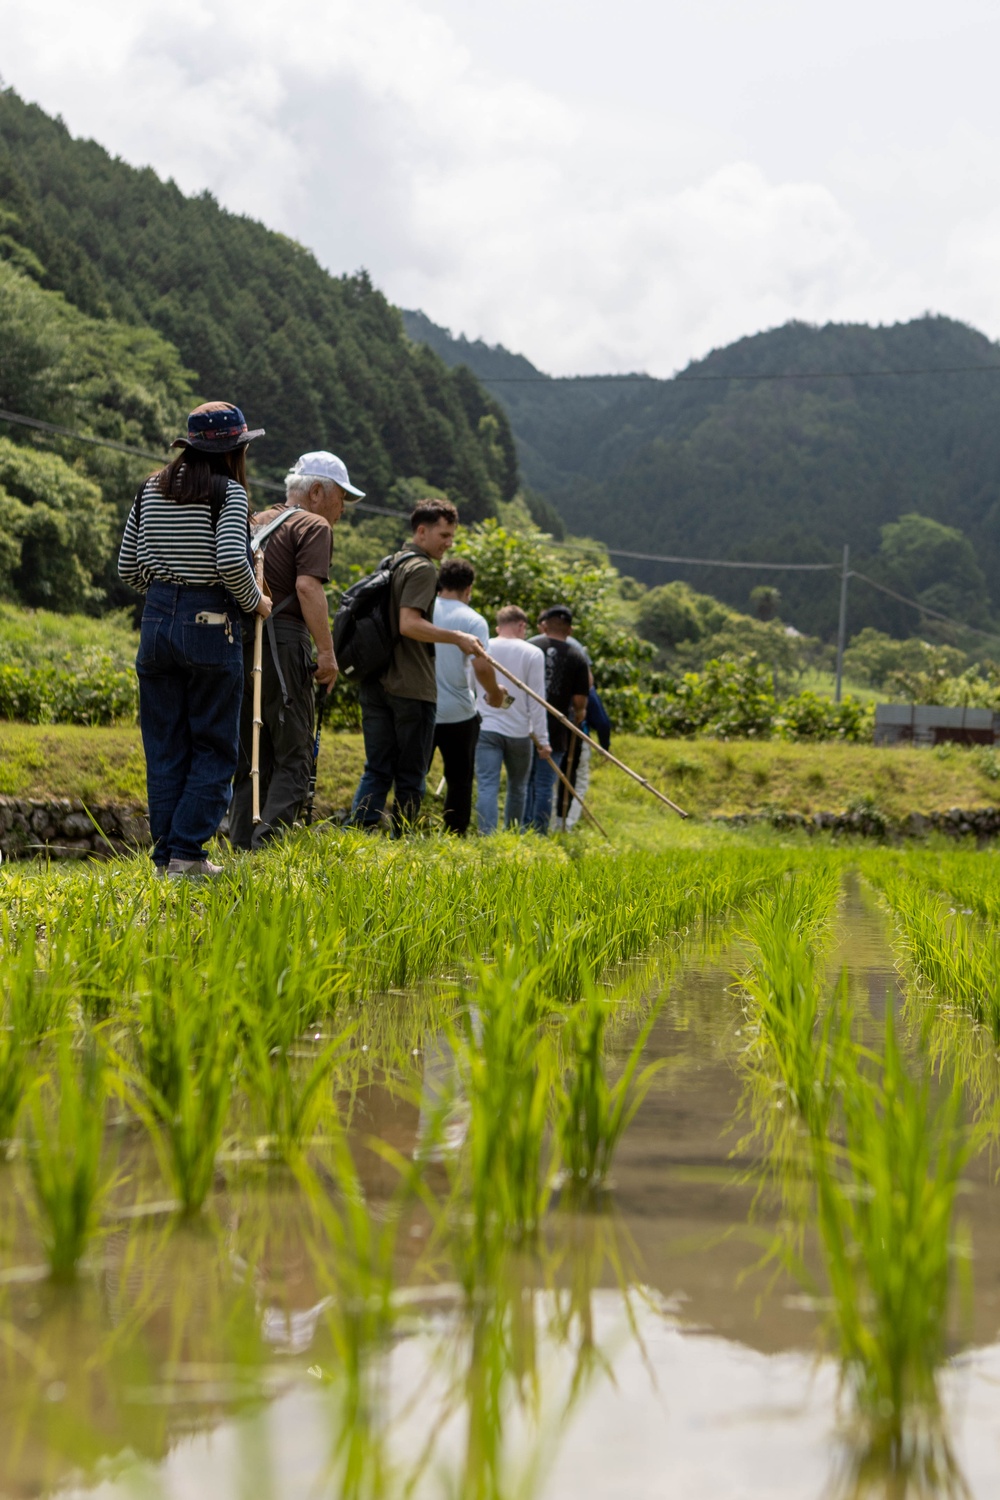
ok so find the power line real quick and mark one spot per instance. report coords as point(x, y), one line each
point(541, 379)
point(695, 562)
point(715, 562)
point(989, 635)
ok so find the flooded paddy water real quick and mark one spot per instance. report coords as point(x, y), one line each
point(642, 1345)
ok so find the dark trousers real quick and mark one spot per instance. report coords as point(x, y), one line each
point(286, 748)
point(399, 739)
point(190, 680)
point(457, 744)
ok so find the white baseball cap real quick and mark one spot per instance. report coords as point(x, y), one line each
point(327, 466)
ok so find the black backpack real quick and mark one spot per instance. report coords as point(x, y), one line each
point(364, 635)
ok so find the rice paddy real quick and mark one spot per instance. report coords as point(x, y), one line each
point(501, 1169)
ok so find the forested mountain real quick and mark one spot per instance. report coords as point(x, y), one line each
point(710, 465)
point(243, 313)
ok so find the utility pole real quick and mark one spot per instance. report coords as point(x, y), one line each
point(842, 624)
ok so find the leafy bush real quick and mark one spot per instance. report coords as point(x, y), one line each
point(973, 688)
point(101, 692)
point(873, 658)
point(735, 699)
point(523, 568)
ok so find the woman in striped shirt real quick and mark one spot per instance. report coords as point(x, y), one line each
point(186, 548)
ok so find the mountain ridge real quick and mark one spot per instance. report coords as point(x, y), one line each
point(783, 470)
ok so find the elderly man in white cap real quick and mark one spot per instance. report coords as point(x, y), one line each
point(297, 557)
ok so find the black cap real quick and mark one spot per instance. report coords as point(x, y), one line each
point(557, 612)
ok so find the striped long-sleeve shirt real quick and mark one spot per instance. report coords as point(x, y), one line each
point(174, 543)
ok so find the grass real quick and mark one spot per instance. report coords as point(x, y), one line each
point(36, 637)
point(706, 777)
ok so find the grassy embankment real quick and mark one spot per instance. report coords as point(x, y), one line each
point(706, 777)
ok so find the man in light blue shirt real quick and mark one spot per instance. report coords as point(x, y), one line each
point(457, 727)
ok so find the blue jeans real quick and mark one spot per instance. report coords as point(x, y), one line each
point(538, 801)
point(399, 742)
point(190, 685)
point(492, 752)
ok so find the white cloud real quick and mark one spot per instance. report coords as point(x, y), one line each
point(585, 237)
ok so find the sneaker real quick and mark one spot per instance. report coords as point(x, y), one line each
point(192, 868)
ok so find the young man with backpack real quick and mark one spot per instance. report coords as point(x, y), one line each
point(399, 701)
point(297, 552)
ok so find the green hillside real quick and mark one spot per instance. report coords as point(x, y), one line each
point(708, 465)
point(122, 301)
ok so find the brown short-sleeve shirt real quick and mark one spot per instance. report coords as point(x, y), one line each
point(302, 544)
point(414, 586)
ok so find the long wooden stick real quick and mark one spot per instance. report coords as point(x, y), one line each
point(258, 658)
point(596, 744)
point(571, 789)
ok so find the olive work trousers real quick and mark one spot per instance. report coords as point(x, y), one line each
point(286, 748)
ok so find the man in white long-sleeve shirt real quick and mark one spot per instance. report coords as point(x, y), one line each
point(505, 737)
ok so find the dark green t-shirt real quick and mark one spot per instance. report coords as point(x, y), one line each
point(414, 586)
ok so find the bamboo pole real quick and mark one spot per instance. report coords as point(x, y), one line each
point(574, 729)
point(258, 656)
point(571, 789)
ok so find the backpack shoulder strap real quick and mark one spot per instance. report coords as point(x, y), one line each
point(137, 505)
point(263, 534)
point(217, 498)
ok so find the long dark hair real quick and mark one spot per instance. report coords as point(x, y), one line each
point(188, 477)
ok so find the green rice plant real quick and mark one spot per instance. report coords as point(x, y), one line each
point(66, 1136)
point(35, 987)
point(181, 1082)
point(506, 1072)
point(885, 1213)
point(591, 1114)
point(947, 951)
point(288, 1085)
point(790, 1055)
point(287, 982)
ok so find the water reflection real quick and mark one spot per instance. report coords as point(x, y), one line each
point(312, 1338)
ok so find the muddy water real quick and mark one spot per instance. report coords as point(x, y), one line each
point(651, 1357)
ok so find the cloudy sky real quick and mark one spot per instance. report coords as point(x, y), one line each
point(600, 186)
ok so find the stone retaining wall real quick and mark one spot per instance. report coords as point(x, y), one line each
point(64, 829)
point(981, 823)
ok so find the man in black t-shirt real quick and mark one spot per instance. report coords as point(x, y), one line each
point(567, 683)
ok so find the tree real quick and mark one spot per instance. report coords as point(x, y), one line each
point(937, 565)
point(764, 601)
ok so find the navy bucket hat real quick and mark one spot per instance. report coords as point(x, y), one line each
point(217, 427)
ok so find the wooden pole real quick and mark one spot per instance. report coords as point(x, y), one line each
point(258, 656)
point(571, 789)
point(573, 728)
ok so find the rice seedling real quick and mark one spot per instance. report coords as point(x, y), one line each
point(948, 952)
point(885, 1213)
point(181, 1083)
point(789, 1059)
point(287, 984)
point(66, 1141)
point(591, 1114)
point(505, 1068)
